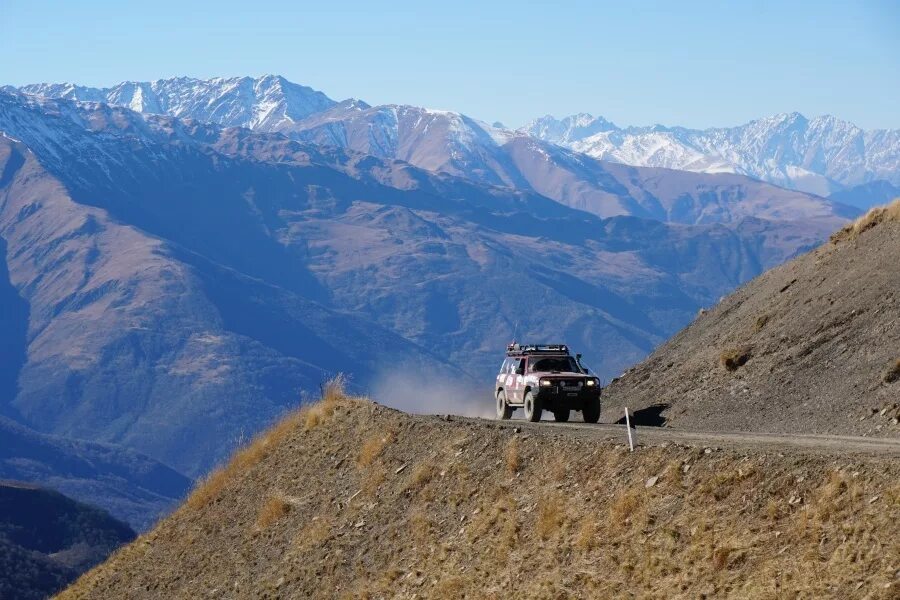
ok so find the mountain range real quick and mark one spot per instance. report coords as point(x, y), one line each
point(178, 276)
point(824, 155)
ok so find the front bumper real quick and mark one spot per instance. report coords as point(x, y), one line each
point(556, 397)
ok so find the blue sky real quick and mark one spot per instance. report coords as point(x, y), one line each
point(697, 64)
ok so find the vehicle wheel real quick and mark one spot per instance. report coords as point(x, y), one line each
point(504, 411)
point(561, 416)
point(591, 411)
point(533, 408)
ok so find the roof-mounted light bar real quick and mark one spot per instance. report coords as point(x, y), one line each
point(537, 349)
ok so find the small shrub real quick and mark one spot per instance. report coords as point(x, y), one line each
point(274, 508)
point(734, 358)
point(893, 372)
point(761, 322)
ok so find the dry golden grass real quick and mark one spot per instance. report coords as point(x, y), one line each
point(313, 533)
point(321, 411)
point(623, 508)
point(210, 487)
point(588, 531)
point(893, 373)
point(876, 216)
point(421, 475)
point(737, 524)
point(419, 527)
point(273, 509)
point(372, 448)
point(734, 358)
point(511, 456)
point(550, 515)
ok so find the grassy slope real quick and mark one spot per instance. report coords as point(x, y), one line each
point(349, 499)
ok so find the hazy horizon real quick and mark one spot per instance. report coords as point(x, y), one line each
point(655, 63)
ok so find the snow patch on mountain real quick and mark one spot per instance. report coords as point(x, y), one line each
point(268, 102)
point(820, 155)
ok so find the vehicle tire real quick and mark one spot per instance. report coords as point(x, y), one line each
point(533, 408)
point(591, 411)
point(561, 416)
point(504, 411)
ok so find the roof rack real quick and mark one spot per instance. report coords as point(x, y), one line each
point(519, 349)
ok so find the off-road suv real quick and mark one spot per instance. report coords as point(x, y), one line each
point(546, 377)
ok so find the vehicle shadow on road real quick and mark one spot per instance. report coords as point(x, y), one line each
point(647, 417)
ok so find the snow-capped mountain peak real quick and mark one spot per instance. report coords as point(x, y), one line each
point(268, 102)
point(819, 155)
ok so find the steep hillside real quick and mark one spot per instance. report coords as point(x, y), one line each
point(184, 283)
point(351, 500)
point(131, 487)
point(811, 346)
point(47, 540)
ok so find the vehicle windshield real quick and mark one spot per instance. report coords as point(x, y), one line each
point(555, 363)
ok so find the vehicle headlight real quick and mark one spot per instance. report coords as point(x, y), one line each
point(546, 383)
point(590, 382)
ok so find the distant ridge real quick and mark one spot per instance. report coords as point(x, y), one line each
point(822, 155)
point(47, 540)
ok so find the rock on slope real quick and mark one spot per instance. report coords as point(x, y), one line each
point(810, 346)
point(352, 500)
point(47, 540)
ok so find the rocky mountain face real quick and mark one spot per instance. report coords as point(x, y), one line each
point(453, 143)
point(178, 285)
point(47, 540)
point(823, 155)
point(265, 103)
point(530, 160)
point(810, 346)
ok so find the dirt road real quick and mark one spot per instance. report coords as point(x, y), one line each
point(818, 444)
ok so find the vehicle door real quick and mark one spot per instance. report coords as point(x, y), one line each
point(517, 378)
point(503, 375)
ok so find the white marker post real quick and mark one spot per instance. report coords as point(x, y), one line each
point(628, 429)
